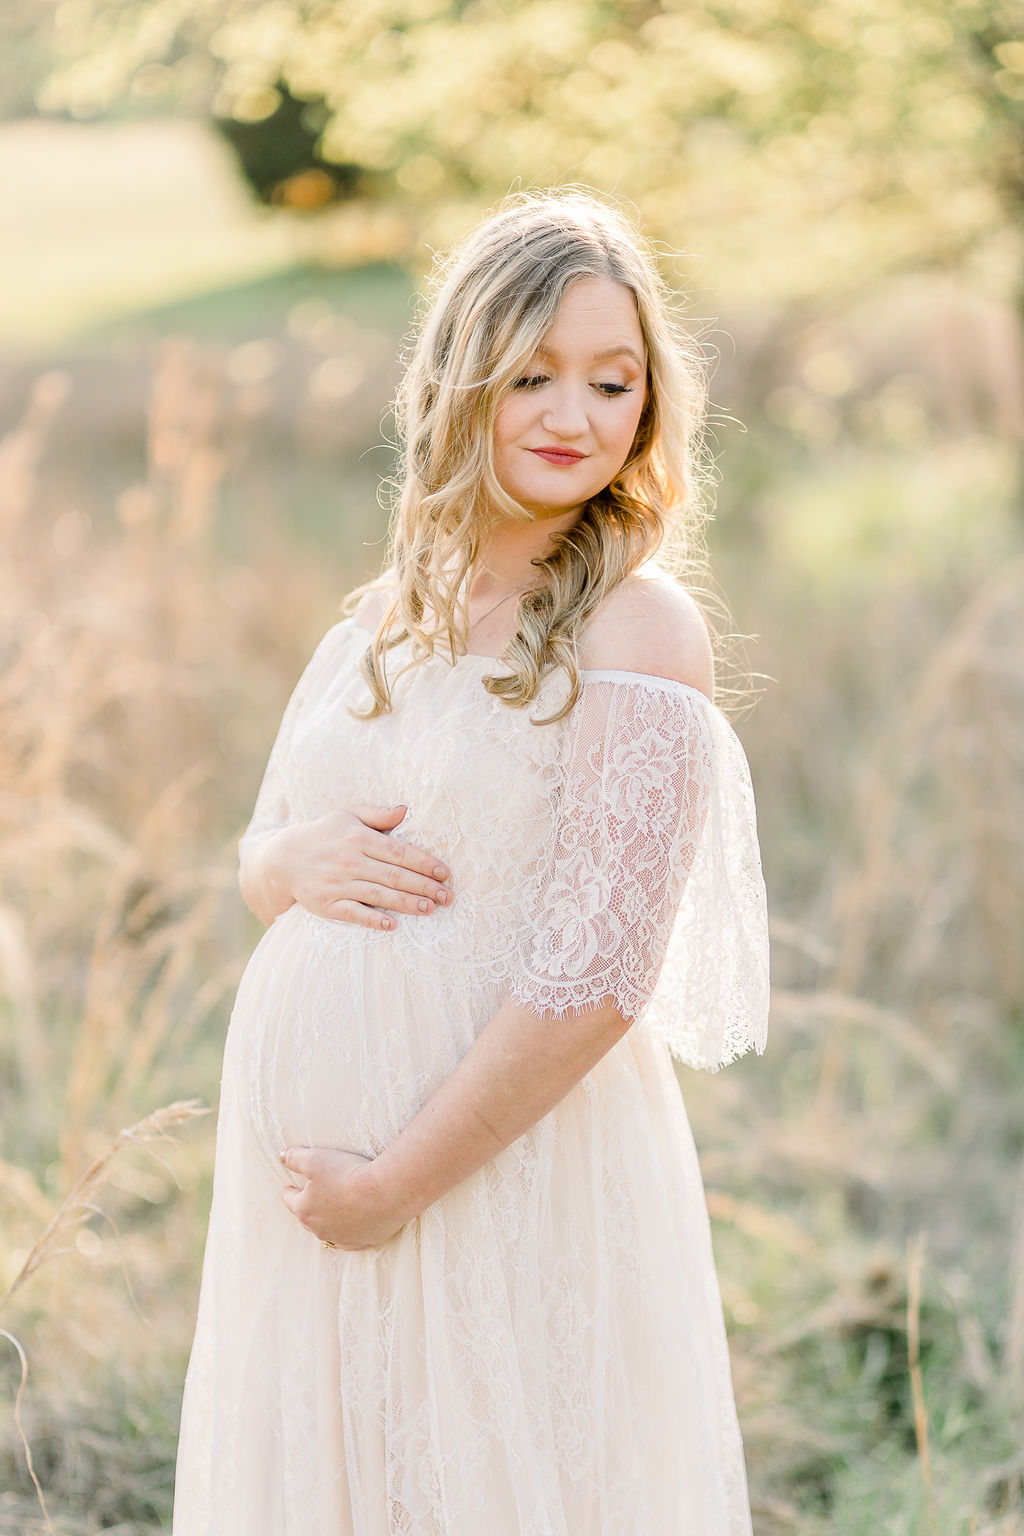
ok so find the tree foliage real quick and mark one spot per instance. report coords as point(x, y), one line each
point(800, 145)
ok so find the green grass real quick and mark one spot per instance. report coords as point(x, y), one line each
point(375, 295)
point(102, 219)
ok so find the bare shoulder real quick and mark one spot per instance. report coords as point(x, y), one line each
point(651, 624)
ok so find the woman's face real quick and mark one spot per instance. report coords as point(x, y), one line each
point(567, 427)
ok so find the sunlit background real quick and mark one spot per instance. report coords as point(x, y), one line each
point(214, 216)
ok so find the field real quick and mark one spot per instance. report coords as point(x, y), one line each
point(189, 488)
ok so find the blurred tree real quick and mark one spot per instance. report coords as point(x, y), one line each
point(26, 53)
point(281, 158)
point(802, 147)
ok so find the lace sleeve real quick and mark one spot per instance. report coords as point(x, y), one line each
point(272, 809)
point(650, 890)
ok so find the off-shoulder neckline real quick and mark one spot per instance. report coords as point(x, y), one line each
point(587, 674)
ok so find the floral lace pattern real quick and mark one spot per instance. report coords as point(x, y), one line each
point(542, 1352)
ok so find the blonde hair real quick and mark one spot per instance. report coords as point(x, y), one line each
point(494, 300)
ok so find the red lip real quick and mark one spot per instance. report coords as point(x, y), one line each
point(555, 455)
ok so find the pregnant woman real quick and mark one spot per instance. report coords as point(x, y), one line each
point(459, 1277)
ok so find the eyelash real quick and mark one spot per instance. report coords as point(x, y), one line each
point(611, 389)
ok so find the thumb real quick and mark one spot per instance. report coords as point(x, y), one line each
point(298, 1160)
point(382, 818)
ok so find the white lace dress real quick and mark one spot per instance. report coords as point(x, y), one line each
point(542, 1352)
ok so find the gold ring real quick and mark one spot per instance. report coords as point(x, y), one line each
point(327, 1243)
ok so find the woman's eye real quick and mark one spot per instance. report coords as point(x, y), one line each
point(615, 389)
point(532, 382)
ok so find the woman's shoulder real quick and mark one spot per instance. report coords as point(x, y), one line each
point(650, 624)
point(647, 624)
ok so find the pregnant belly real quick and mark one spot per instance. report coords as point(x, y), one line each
point(336, 1038)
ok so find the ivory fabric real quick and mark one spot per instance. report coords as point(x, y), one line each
point(542, 1352)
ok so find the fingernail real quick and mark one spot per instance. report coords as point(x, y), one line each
point(423, 904)
point(440, 873)
point(281, 1156)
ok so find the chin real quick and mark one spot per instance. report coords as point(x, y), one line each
point(545, 509)
point(547, 506)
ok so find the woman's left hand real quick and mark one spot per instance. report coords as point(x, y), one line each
point(340, 1202)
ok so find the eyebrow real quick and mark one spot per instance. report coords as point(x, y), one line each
point(621, 349)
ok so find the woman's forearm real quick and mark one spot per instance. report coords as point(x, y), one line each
point(516, 1071)
point(262, 876)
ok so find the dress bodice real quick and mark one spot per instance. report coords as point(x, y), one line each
point(609, 853)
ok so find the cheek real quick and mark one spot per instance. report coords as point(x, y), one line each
point(626, 430)
point(509, 422)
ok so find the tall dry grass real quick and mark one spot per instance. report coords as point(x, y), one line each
point(143, 662)
point(881, 1134)
point(133, 659)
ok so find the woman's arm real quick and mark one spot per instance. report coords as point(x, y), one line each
point(518, 1068)
point(640, 833)
point(343, 866)
point(262, 876)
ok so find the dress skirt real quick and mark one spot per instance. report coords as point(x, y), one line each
point(541, 1353)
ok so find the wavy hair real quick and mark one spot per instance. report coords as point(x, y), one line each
point(493, 301)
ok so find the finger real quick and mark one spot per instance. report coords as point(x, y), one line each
point(374, 894)
point(291, 1197)
point(390, 850)
point(299, 1160)
point(382, 817)
point(401, 878)
point(341, 911)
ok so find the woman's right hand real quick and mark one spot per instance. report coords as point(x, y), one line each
point(344, 866)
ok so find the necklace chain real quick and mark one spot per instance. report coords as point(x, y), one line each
point(499, 603)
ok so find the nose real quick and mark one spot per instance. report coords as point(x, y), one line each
point(565, 411)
